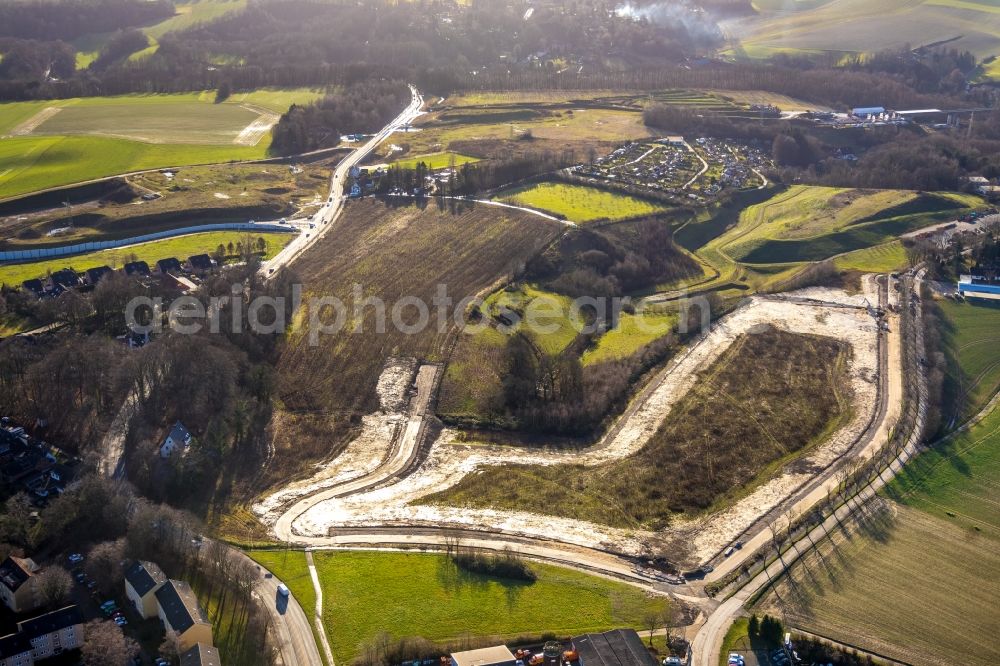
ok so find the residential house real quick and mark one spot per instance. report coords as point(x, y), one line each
point(179, 612)
point(98, 273)
point(177, 439)
point(64, 279)
point(136, 269)
point(142, 580)
point(53, 633)
point(34, 285)
point(17, 584)
point(201, 263)
point(15, 650)
point(171, 265)
point(201, 655)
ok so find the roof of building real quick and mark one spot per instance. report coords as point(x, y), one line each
point(136, 268)
point(66, 278)
point(179, 434)
point(13, 645)
point(867, 110)
point(201, 262)
point(34, 285)
point(15, 572)
point(55, 621)
point(621, 647)
point(180, 606)
point(144, 576)
point(169, 264)
point(98, 272)
point(201, 655)
point(488, 656)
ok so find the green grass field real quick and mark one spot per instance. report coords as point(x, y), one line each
point(859, 26)
point(917, 583)
point(435, 161)
point(180, 247)
point(102, 136)
point(885, 258)
point(972, 338)
point(410, 594)
point(555, 329)
point(579, 203)
point(632, 333)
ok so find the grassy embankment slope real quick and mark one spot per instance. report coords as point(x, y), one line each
point(94, 137)
point(708, 447)
point(181, 248)
point(410, 594)
point(773, 240)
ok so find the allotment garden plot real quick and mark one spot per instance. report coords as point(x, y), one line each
point(672, 166)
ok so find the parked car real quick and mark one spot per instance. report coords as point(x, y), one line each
point(283, 589)
point(76, 558)
point(81, 577)
point(120, 621)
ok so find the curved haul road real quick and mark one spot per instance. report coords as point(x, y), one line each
point(405, 453)
point(298, 646)
point(336, 198)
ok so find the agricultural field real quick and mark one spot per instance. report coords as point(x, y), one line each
point(391, 252)
point(706, 453)
point(971, 332)
point(915, 583)
point(192, 195)
point(859, 26)
point(74, 140)
point(181, 247)
point(434, 161)
point(423, 594)
point(493, 130)
point(579, 203)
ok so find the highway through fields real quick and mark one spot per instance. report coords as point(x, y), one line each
point(314, 229)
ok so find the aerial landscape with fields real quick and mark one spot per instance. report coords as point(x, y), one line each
point(499, 333)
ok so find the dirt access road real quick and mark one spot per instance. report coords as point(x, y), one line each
point(708, 642)
point(325, 218)
point(365, 497)
point(342, 494)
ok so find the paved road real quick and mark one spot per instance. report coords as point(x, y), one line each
point(291, 625)
point(323, 220)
